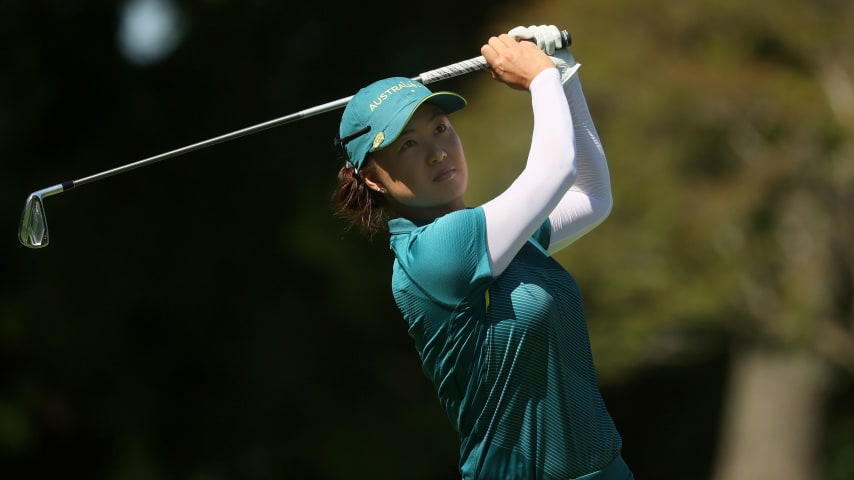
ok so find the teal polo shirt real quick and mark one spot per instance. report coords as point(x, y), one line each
point(509, 357)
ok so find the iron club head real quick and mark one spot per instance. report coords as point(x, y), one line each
point(32, 232)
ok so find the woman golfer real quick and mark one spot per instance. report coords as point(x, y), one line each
point(498, 323)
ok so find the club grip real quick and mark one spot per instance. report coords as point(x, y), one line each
point(566, 39)
point(471, 65)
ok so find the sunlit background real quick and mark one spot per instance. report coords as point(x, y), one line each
point(208, 318)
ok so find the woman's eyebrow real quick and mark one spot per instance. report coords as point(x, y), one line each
point(438, 113)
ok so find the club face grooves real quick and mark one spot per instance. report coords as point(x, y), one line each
point(32, 231)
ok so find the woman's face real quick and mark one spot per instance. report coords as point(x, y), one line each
point(424, 172)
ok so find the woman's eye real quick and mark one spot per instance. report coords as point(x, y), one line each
point(441, 128)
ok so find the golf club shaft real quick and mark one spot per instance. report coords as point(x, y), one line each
point(33, 231)
point(454, 70)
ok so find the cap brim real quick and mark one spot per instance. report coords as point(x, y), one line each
point(449, 102)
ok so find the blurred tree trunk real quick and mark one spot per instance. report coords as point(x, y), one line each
point(773, 419)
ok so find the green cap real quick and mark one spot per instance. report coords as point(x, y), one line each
point(375, 116)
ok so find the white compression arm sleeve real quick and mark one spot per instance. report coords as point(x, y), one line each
point(514, 215)
point(589, 201)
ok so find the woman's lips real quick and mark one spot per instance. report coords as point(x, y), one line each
point(445, 174)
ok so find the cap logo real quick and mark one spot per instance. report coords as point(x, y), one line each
point(378, 140)
point(392, 90)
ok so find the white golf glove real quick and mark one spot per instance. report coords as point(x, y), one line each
point(549, 39)
point(565, 63)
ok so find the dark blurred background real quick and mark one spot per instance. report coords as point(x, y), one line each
point(208, 318)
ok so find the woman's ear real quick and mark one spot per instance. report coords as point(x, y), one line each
point(373, 185)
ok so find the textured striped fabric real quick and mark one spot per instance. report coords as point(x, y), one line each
point(515, 376)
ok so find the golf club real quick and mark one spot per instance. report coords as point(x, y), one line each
point(33, 231)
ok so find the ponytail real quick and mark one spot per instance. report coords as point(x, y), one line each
point(361, 207)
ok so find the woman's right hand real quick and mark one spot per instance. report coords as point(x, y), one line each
point(513, 62)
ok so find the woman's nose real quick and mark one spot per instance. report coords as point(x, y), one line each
point(437, 154)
